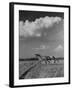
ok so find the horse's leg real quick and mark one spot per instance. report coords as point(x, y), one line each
point(48, 61)
point(54, 61)
point(45, 60)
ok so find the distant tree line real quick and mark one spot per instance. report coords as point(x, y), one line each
point(46, 57)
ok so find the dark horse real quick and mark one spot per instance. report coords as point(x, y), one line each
point(43, 58)
point(46, 58)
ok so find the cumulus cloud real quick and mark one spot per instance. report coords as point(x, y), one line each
point(59, 48)
point(42, 47)
point(33, 28)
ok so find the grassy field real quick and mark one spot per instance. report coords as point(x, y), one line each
point(35, 69)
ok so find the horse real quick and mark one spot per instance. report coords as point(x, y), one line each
point(41, 58)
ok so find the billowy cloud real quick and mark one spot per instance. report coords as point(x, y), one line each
point(42, 47)
point(33, 28)
point(59, 48)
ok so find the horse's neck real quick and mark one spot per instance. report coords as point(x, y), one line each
point(39, 57)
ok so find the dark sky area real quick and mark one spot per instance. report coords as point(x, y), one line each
point(32, 15)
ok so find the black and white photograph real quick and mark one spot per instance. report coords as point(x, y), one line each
point(41, 44)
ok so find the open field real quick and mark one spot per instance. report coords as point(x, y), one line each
point(38, 69)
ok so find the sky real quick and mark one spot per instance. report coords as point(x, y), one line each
point(41, 33)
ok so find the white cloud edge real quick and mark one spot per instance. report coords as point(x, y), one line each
point(59, 48)
point(33, 28)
